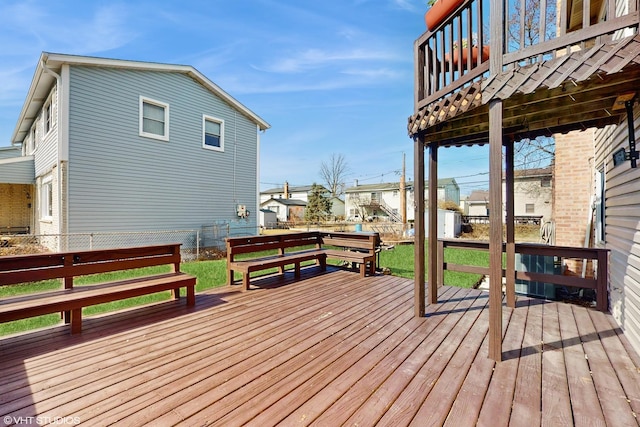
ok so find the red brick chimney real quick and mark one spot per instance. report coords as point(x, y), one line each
point(286, 190)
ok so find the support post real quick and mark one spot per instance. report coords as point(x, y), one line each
point(433, 225)
point(497, 43)
point(511, 241)
point(495, 230)
point(418, 200)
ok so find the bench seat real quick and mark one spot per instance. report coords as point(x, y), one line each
point(67, 266)
point(256, 264)
point(361, 258)
point(74, 299)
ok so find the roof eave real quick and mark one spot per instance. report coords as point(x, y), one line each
point(54, 61)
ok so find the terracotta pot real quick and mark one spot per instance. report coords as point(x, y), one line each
point(439, 11)
point(465, 55)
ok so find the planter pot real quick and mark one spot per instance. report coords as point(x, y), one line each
point(439, 11)
point(465, 56)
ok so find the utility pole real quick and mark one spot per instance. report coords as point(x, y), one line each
point(403, 197)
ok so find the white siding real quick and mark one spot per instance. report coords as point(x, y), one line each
point(622, 228)
point(120, 181)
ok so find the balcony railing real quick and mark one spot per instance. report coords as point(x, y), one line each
point(597, 255)
point(456, 52)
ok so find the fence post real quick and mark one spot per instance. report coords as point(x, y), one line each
point(197, 244)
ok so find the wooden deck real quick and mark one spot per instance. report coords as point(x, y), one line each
point(332, 349)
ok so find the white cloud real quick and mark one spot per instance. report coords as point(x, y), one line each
point(319, 58)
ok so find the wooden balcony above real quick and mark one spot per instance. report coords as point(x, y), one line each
point(548, 85)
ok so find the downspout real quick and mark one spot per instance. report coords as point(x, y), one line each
point(257, 217)
point(61, 218)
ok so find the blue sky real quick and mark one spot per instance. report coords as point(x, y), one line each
point(332, 76)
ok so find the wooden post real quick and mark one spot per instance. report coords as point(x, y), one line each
point(497, 43)
point(511, 241)
point(68, 284)
point(433, 224)
point(602, 280)
point(440, 263)
point(495, 230)
point(418, 200)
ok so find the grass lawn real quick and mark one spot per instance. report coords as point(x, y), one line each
point(400, 262)
point(212, 274)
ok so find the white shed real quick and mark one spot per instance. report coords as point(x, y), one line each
point(268, 219)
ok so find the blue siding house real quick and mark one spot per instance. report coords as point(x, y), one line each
point(120, 146)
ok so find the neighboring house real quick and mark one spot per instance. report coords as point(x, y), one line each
point(373, 201)
point(293, 210)
point(477, 204)
point(286, 209)
point(337, 209)
point(533, 195)
point(17, 191)
point(288, 192)
point(135, 146)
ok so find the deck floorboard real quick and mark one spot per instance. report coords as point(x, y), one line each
point(329, 349)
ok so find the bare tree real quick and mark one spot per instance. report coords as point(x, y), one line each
point(333, 173)
point(526, 29)
point(534, 153)
point(524, 26)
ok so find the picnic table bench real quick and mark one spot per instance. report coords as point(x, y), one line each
point(68, 265)
point(250, 254)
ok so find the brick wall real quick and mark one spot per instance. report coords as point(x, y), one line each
point(16, 205)
point(573, 185)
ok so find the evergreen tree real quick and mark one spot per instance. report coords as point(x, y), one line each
point(318, 205)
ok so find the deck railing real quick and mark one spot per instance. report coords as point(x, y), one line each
point(456, 52)
point(599, 283)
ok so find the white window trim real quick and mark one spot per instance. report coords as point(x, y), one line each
point(44, 214)
point(164, 105)
point(217, 120)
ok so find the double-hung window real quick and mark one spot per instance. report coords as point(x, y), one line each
point(212, 133)
point(47, 118)
point(46, 198)
point(154, 119)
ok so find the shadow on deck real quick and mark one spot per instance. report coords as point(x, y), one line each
point(331, 349)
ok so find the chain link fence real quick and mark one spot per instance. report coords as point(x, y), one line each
point(206, 243)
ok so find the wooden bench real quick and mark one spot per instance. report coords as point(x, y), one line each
point(281, 242)
point(353, 248)
point(293, 249)
point(68, 265)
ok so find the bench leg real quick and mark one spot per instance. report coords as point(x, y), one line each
point(372, 268)
point(191, 295)
point(323, 263)
point(76, 320)
point(297, 270)
point(363, 269)
point(245, 281)
point(176, 293)
point(229, 277)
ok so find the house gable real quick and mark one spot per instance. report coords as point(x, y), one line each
point(109, 176)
